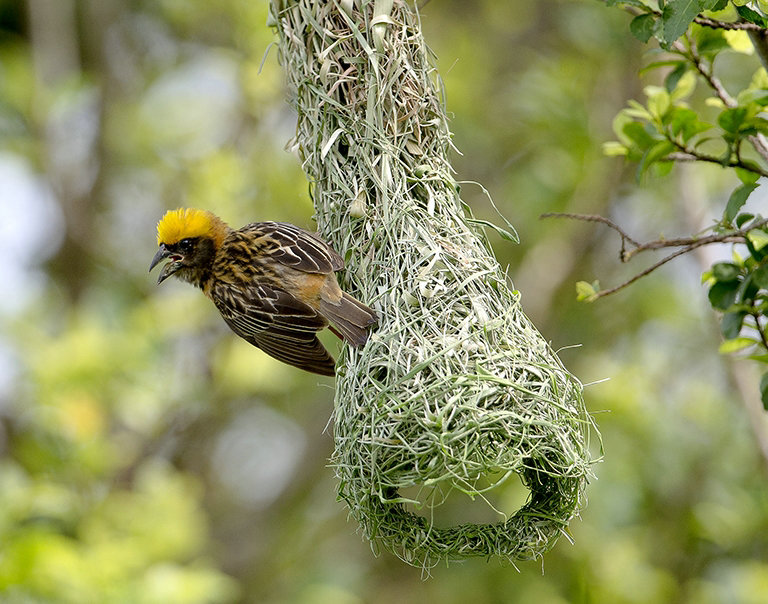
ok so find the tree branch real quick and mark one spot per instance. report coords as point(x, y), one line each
point(594, 218)
point(691, 53)
point(694, 57)
point(607, 292)
point(686, 154)
point(687, 244)
point(717, 24)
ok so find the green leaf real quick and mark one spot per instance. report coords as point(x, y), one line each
point(760, 124)
point(739, 41)
point(731, 324)
point(757, 96)
point(747, 176)
point(710, 41)
point(760, 276)
point(758, 238)
point(685, 122)
point(751, 16)
point(722, 294)
point(701, 141)
point(658, 65)
point(636, 110)
point(684, 86)
point(737, 199)
point(736, 344)
point(659, 101)
point(759, 78)
point(662, 169)
point(643, 26)
point(764, 390)
point(656, 152)
point(747, 290)
point(676, 17)
point(731, 120)
point(638, 134)
point(750, 165)
point(587, 292)
point(619, 123)
point(742, 218)
point(725, 158)
point(614, 149)
point(725, 272)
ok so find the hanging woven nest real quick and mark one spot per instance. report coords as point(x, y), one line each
point(456, 390)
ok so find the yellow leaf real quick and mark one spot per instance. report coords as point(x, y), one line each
point(586, 292)
point(735, 345)
point(614, 149)
point(739, 41)
point(684, 87)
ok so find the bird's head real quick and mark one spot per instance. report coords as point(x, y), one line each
point(189, 238)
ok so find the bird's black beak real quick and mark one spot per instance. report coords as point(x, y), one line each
point(169, 268)
point(162, 254)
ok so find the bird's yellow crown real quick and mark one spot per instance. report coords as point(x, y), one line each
point(184, 223)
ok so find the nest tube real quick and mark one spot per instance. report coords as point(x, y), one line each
point(456, 385)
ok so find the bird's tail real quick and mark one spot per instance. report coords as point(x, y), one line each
point(350, 319)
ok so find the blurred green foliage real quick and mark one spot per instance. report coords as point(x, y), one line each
point(150, 456)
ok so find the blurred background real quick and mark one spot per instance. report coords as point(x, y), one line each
point(148, 455)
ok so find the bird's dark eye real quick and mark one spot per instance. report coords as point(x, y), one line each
point(185, 245)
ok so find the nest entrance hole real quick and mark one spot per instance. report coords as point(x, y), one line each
point(492, 498)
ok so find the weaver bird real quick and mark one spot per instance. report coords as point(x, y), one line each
point(273, 283)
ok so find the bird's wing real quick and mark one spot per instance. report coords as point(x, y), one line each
point(273, 320)
point(309, 356)
point(291, 246)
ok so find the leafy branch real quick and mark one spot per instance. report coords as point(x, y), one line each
point(728, 130)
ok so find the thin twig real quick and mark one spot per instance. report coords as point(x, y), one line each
point(593, 218)
point(607, 292)
point(759, 143)
point(688, 244)
point(694, 57)
point(689, 155)
point(716, 24)
point(692, 242)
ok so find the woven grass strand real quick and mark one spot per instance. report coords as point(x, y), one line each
point(456, 389)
